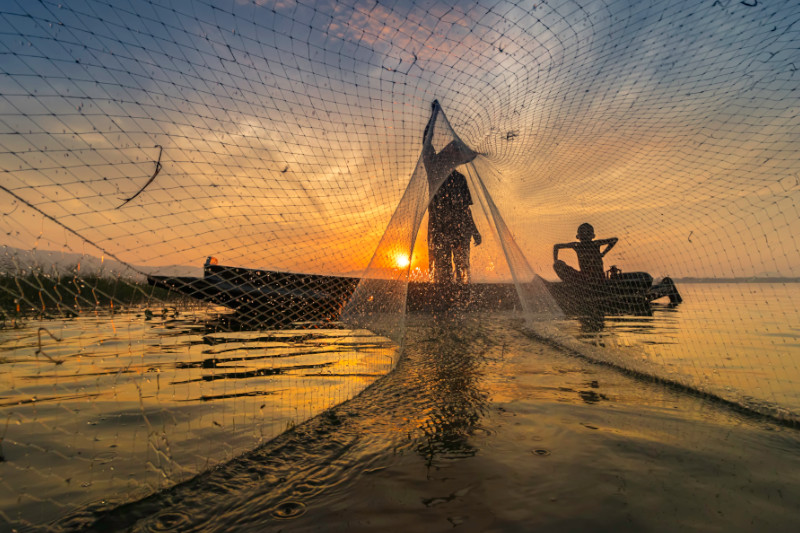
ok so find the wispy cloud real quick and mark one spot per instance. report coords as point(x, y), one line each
point(290, 129)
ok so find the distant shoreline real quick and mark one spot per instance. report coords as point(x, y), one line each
point(736, 280)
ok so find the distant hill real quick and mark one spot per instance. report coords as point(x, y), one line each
point(18, 261)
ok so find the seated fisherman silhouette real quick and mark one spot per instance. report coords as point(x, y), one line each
point(590, 257)
point(450, 222)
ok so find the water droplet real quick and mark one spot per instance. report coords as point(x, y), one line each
point(169, 521)
point(288, 510)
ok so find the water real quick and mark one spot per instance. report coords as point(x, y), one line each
point(102, 410)
point(738, 341)
point(481, 429)
point(115, 407)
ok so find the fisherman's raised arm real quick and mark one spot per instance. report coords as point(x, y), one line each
point(609, 242)
point(429, 158)
point(557, 247)
point(427, 136)
point(439, 165)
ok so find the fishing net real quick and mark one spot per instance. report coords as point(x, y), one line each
point(440, 273)
point(216, 215)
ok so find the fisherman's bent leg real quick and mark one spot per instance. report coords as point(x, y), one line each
point(567, 273)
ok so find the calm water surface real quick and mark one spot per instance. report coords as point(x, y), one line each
point(117, 406)
point(740, 341)
point(480, 428)
point(101, 410)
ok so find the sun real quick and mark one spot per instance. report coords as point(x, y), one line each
point(402, 261)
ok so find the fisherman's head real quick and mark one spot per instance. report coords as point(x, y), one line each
point(585, 232)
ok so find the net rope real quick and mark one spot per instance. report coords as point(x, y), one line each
point(287, 140)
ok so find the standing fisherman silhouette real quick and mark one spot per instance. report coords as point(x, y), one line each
point(450, 222)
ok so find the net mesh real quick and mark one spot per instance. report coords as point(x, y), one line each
point(445, 274)
point(288, 141)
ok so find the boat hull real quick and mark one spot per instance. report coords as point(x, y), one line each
point(284, 298)
point(630, 293)
point(276, 299)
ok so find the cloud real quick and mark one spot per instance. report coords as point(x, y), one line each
point(290, 129)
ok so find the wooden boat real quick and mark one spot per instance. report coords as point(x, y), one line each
point(276, 299)
point(619, 293)
point(283, 298)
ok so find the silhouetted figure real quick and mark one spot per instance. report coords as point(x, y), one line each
point(450, 222)
point(590, 257)
point(450, 229)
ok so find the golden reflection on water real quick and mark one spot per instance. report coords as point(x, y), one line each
point(738, 341)
point(480, 420)
point(118, 406)
point(138, 405)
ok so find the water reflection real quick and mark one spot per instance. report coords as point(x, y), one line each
point(733, 340)
point(433, 415)
point(597, 326)
point(591, 323)
point(453, 377)
point(435, 435)
point(142, 400)
point(432, 406)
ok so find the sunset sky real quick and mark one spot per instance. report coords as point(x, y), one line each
point(290, 130)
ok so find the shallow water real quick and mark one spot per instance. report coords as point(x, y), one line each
point(481, 428)
point(115, 407)
point(740, 341)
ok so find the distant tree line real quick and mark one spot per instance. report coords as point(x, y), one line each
point(35, 292)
